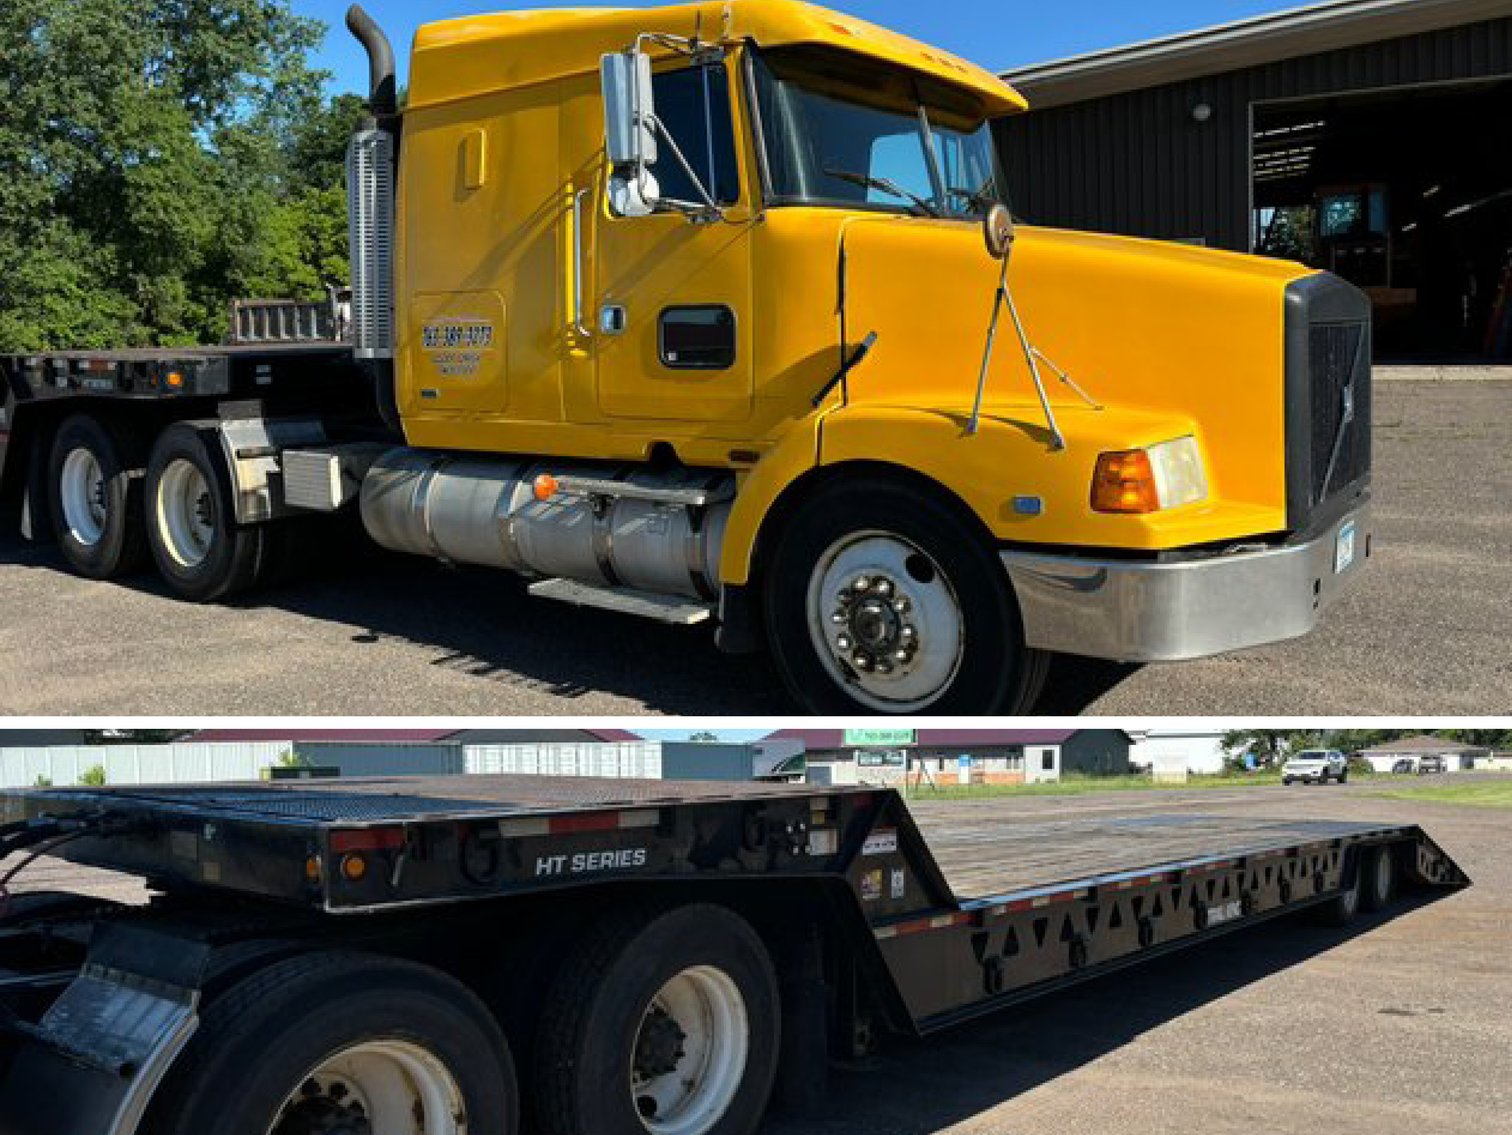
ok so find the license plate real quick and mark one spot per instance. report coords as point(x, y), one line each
point(1344, 549)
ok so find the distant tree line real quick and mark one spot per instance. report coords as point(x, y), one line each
point(157, 158)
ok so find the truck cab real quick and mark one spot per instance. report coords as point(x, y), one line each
point(718, 313)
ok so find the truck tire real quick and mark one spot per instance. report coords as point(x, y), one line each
point(342, 1042)
point(1378, 869)
point(200, 550)
point(881, 598)
point(662, 1023)
point(95, 502)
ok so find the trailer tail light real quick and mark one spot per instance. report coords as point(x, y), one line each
point(545, 487)
point(575, 823)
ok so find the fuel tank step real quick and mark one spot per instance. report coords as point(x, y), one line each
point(645, 604)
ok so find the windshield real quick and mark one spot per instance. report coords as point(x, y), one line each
point(855, 134)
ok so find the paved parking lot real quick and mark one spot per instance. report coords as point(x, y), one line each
point(1427, 633)
point(1400, 1025)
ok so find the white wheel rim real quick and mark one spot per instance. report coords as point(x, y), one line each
point(184, 513)
point(82, 489)
point(690, 1053)
point(885, 622)
point(381, 1087)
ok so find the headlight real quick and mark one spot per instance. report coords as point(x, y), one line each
point(1150, 479)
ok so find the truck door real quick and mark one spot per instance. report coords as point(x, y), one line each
point(670, 310)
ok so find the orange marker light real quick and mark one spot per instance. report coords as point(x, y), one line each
point(545, 487)
point(175, 379)
point(313, 869)
point(354, 868)
point(1124, 482)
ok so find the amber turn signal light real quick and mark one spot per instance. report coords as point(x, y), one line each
point(545, 487)
point(1125, 482)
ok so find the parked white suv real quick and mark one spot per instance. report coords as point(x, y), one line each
point(1316, 766)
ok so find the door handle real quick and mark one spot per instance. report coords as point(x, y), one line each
point(577, 263)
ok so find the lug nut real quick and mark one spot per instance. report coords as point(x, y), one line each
point(884, 587)
point(838, 616)
point(903, 605)
point(908, 634)
point(884, 666)
point(843, 642)
point(902, 656)
point(861, 660)
point(862, 584)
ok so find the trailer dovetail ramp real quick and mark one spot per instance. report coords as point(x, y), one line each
point(403, 955)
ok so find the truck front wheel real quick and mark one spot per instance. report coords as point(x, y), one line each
point(200, 550)
point(880, 598)
point(95, 502)
point(663, 1024)
point(342, 1043)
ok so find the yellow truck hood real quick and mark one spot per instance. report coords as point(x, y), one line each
point(1163, 336)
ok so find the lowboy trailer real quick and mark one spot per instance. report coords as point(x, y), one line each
point(605, 957)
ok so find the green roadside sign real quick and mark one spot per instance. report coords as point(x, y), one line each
point(865, 737)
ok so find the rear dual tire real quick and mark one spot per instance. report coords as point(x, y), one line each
point(1372, 888)
point(342, 1042)
point(95, 498)
point(661, 1024)
point(200, 550)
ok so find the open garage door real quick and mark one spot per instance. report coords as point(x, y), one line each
point(1407, 193)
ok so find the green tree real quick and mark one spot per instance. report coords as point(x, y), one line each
point(93, 777)
point(293, 759)
point(156, 158)
point(1268, 746)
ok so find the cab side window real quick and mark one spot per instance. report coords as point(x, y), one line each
point(693, 104)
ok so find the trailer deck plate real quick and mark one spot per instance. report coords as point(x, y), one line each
point(985, 855)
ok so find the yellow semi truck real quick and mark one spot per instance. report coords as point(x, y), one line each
point(715, 312)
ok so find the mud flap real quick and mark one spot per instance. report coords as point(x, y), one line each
point(93, 1062)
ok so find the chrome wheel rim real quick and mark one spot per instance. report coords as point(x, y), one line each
point(81, 487)
point(379, 1087)
point(885, 621)
point(690, 1053)
point(185, 513)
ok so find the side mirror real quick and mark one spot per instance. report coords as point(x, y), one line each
point(999, 231)
point(630, 137)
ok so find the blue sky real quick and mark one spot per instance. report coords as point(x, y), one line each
point(995, 33)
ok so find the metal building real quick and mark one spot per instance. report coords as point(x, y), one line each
point(1368, 137)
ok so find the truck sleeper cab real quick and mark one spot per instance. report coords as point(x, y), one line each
point(685, 313)
point(629, 957)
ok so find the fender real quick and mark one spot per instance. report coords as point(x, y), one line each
point(1021, 489)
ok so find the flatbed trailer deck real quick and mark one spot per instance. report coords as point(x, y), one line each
point(873, 916)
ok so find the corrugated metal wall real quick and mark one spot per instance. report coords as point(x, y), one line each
point(367, 758)
point(62, 765)
point(622, 759)
point(1139, 163)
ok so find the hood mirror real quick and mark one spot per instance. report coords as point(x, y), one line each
point(629, 132)
point(999, 230)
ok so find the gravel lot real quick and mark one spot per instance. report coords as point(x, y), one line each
point(1427, 633)
point(1399, 1026)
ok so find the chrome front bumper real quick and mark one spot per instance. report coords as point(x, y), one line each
point(1165, 612)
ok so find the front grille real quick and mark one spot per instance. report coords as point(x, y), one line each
point(1339, 376)
point(1328, 400)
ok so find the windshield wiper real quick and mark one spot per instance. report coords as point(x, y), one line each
point(886, 186)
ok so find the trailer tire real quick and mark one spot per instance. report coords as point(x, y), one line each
point(200, 550)
point(1379, 870)
point(701, 978)
point(1343, 908)
point(94, 501)
point(364, 1030)
point(944, 637)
